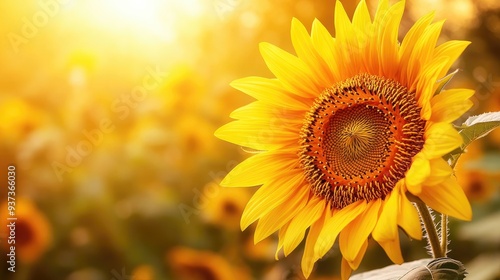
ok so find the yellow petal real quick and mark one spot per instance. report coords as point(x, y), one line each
point(348, 51)
point(325, 45)
point(310, 257)
point(290, 243)
point(345, 270)
point(271, 195)
point(449, 105)
point(257, 134)
point(363, 29)
point(354, 235)
point(375, 31)
point(422, 52)
point(440, 139)
point(342, 23)
point(417, 174)
point(310, 214)
point(450, 50)
point(270, 91)
point(382, 8)
point(354, 264)
point(392, 249)
point(306, 52)
point(407, 48)
point(281, 238)
point(408, 218)
point(282, 214)
point(386, 228)
point(426, 86)
point(388, 54)
point(278, 117)
point(260, 168)
point(447, 198)
point(361, 21)
point(337, 223)
point(386, 231)
point(440, 172)
point(290, 70)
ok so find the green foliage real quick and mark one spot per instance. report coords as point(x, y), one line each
point(472, 129)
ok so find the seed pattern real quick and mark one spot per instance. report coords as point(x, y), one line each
point(359, 138)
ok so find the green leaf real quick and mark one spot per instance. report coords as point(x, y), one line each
point(472, 129)
point(444, 81)
point(479, 126)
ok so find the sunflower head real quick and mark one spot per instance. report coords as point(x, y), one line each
point(348, 126)
point(32, 229)
point(225, 209)
point(143, 272)
point(189, 264)
point(359, 138)
point(479, 185)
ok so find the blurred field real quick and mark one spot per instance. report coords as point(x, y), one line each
point(107, 112)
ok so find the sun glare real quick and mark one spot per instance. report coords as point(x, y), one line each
point(147, 17)
point(135, 10)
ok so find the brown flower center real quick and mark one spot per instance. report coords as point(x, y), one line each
point(359, 138)
point(24, 233)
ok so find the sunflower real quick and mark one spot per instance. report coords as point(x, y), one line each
point(226, 207)
point(33, 234)
point(345, 130)
point(189, 264)
point(478, 184)
point(143, 272)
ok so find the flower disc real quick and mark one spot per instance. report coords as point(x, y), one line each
point(359, 138)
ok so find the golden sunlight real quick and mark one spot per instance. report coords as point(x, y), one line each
point(151, 19)
point(110, 168)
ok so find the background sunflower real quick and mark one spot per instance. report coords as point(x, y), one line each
point(135, 164)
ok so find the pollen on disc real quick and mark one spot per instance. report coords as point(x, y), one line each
point(358, 139)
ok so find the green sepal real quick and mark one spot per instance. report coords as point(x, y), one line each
point(444, 81)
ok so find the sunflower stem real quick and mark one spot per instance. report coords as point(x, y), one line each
point(444, 234)
point(430, 229)
point(444, 218)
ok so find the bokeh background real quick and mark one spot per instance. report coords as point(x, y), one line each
point(107, 111)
